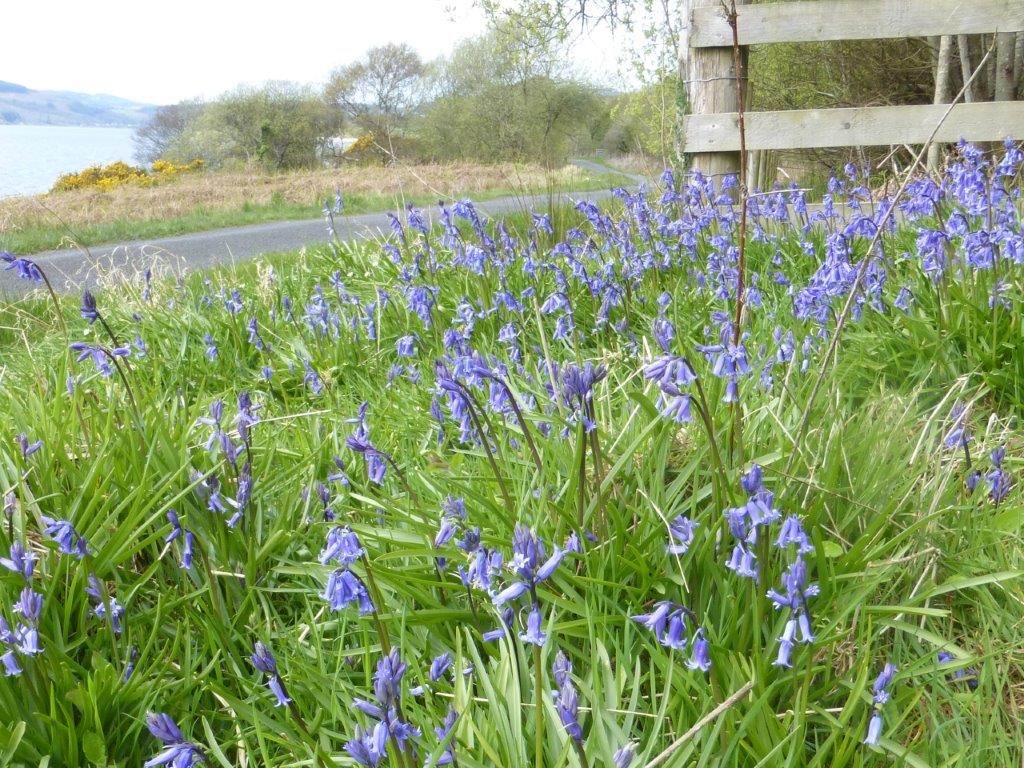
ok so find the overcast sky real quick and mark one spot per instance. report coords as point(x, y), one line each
point(163, 52)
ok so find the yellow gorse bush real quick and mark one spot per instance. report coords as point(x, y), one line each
point(118, 174)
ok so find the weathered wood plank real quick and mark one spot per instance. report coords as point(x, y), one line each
point(858, 126)
point(797, 22)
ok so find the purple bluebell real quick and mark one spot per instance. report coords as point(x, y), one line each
point(263, 659)
point(700, 657)
point(64, 534)
point(534, 634)
point(440, 666)
point(28, 448)
point(101, 357)
point(680, 535)
point(88, 310)
point(623, 757)
point(567, 705)
point(97, 591)
point(343, 547)
point(177, 752)
point(343, 589)
point(21, 561)
point(369, 747)
point(26, 269)
point(879, 697)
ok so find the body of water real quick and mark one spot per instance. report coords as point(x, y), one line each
point(33, 156)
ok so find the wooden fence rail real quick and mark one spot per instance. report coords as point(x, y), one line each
point(805, 22)
point(856, 126)
point(711, 134)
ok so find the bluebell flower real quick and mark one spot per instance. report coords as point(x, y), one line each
point(27, 448)
point(700, 657)
point(406, 346)
point(623, 757)
point(26, 269)
point(999, 480)
point(88, 310)
point(343, 546)
point(439, 666)
point(879, 697)
point(530, 563)
point(668, 622)
point(344, 588)
point(534, 634)
point(11, 666)
point(443, 732)
point(561, 669)
point(178, 752)
point(95, 590)
point(100, 356)
point(680, 530)
point(22, 561)
point(264, 661)
point(64, 534)
point(211, 347)
point(369, 747)
point(567, 705)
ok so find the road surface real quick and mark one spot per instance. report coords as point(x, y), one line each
point(72, 270)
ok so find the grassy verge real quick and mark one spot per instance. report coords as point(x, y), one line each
point(458, 449)
point(211, 201)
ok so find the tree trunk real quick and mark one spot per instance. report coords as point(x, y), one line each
point(1018, 65)
point(941, 91)
point(1006, 86)
point(711, 88)
point(966, 68)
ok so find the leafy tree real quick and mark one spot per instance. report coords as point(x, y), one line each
point(508, 95)
point(380, 91)
point(155, 138)
point(278, 125)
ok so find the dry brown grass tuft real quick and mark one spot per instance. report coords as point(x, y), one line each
point(227, 191)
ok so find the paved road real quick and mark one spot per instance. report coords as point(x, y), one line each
point(71, 270)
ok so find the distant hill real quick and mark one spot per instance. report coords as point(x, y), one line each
point(22, 105)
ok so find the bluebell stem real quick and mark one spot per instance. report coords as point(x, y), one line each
point(178, 752)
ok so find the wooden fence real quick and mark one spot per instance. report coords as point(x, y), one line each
point(711, 132)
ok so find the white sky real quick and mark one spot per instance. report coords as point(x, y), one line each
point(163, 52)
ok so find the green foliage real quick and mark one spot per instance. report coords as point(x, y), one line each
point(908, 561)
point(505, 96)
point(278, 125)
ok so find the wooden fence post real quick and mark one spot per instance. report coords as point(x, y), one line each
point(711, 89)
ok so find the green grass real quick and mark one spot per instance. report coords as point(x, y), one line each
point(34, 239)
point(908, 561)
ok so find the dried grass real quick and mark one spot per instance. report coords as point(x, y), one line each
point(226, 191)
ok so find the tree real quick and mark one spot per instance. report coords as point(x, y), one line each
point(277, 125)
point(380, 91)
point(154, 138)
point(509, 95)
